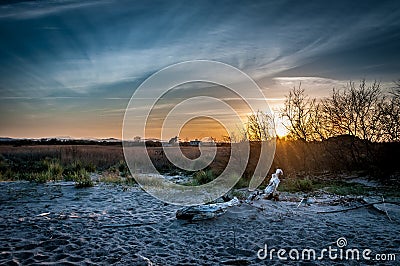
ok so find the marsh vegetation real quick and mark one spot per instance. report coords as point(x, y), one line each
point(353, 132)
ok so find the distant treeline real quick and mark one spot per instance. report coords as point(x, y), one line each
point(54, 141)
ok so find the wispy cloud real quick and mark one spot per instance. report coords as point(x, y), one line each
point(100, 51)
point(34, 9)
point(314, 81)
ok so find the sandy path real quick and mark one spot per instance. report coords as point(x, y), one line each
point(58, 224)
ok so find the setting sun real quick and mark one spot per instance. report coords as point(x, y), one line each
point(281, 130)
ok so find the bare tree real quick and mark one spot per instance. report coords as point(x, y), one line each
point(300, 112)
point(358, 110)
point(357, 116)
point(320, 127)
point(354, 111)
point(260, 126)
point(238, 135)
point(389, 116)
point(390, 120)
point(396, 89)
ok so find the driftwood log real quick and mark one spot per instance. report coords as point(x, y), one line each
point(203, 212)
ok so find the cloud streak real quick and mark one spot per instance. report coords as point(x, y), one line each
point(105, 49)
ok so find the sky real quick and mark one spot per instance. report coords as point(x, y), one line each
point(69, 68)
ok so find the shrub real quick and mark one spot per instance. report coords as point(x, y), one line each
point(204, 177)
point(305, 185)
point(8, 175)
point(239, 194)
point(90, 167)
point(343, 188)
point(297, 185)
point(41, 177)
point(82, 179)
point(242, 183)
point(123, 168)
point(55, 170)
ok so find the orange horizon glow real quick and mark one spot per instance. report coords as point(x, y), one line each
point(196, 128)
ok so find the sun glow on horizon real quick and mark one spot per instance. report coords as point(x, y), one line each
point(281, 130)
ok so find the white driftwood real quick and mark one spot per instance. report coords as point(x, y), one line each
point(43, 214)
point(203, 212)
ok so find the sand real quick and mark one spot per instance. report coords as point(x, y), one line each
point(56, 223)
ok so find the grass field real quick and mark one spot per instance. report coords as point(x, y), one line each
point(303, 164)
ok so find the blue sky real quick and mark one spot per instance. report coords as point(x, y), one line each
point(69, 68)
